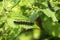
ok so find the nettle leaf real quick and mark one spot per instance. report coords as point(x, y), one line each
point(34, 15)
point(45, 10)
point(14, 26)
point(11, 20)
point(28, 2)
point(50, 14)
point(9, 4)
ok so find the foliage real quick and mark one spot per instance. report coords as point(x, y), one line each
point(29, 11)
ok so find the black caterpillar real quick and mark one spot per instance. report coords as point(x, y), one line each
point(50, 7)
point(24, 23)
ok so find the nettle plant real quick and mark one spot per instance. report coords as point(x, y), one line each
point(29, 19)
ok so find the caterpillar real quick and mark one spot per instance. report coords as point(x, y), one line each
point(24, 23)
point(50, 7)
